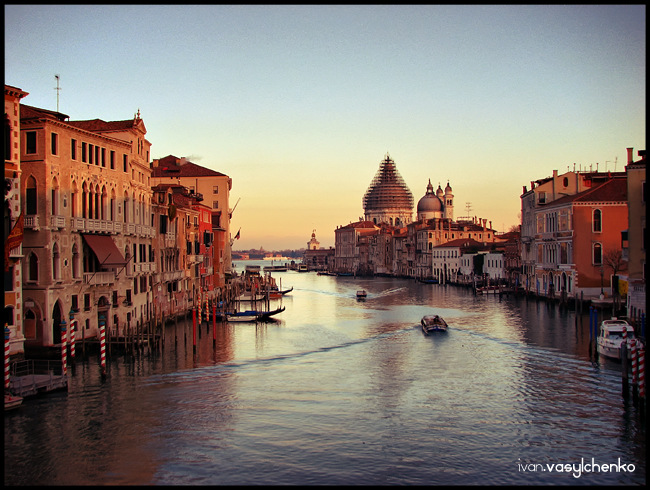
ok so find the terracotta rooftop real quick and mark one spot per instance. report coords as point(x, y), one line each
point(170, 166)
point(98, 125)
point(29, 112)
point(613, 190)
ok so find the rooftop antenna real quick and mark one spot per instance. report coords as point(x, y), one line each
point(615, 162)
point(57, 92)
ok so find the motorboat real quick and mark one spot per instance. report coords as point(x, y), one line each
point(303, 268)
point(610, 338)
point(12, 401)
point(362, 294)
point(433, 323)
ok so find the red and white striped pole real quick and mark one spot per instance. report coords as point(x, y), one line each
point(7, 335)
point(64, 348)
point(641, 372)
point(102, 343)
point(73, 327)
point(635, 373)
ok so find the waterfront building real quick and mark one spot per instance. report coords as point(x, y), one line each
point(214, 189)
point(494, 266)
point(541, 193)
point(317, 258)
point(175, 284)
point(13, 222)
point(348, 257)
point(575, 233)
point(388, 199)
point(87, 224)
point(453, 261)
point(636, 233)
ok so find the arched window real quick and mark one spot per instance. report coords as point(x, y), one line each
point(31, 196)
point(73, 200)
point(55, 197)
point(33, 267)
point(97, 203)
point(104, 204)
point(76, 262)
point(112, 211)
point(9, 315)
point(597, 221)
point(56, 262)
point(598, 253)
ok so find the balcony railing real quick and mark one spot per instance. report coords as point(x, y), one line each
point(16, 252)
point(31, 222)
point(99, 278)
point(57, 222)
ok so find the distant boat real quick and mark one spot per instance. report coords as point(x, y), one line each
point(253, 315)
point(302, 268)
point(276, 268)
point(362, 294)
point(428, 281)
point(276, 293)
point(433, 323)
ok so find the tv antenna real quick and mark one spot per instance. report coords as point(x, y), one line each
point(57, 92)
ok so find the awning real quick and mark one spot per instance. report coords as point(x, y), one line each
point(105, 250)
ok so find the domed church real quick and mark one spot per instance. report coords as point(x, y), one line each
point(388, 199)
point(436, 205)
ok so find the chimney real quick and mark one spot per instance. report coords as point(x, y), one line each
point(630, 155)
point(524, 190)
point(532, 185)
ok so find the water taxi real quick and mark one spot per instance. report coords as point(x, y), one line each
point(433, 323)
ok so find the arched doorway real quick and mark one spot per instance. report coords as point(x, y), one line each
point(57, 315)
point(29, 326)
point(102, 311)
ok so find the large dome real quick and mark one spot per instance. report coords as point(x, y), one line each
point(387, 191)
point(430, 202)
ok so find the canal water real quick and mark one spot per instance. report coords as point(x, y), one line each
point(340, 391)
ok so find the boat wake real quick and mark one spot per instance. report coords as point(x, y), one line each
point(216, 370)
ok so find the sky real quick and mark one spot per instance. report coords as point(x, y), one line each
point(299, 104)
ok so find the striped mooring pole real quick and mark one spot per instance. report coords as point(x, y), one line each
point(214, 322)
point(642, 373)
point(64, 348)
point(102, 344)
point(73, 327)
point(7, 335)
point(194, 329)
point(635, 372)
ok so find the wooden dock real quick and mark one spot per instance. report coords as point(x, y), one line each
point(33, 377)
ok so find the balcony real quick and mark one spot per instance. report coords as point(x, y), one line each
point(99, 278)
point(16, 252)
point(57, 222)
point(172, 276)
point(31, 222)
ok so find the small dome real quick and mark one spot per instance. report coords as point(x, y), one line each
point(430, 202)
point(448, 188)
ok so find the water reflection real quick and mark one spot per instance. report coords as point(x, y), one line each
point(340, 391)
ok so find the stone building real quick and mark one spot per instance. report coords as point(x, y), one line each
point(213, 188)
point(13, 222)
point(636, 233)
point(88, 233)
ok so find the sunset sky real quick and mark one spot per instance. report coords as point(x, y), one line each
point(299, 104)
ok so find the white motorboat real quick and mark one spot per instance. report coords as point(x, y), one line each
point(610, 338)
